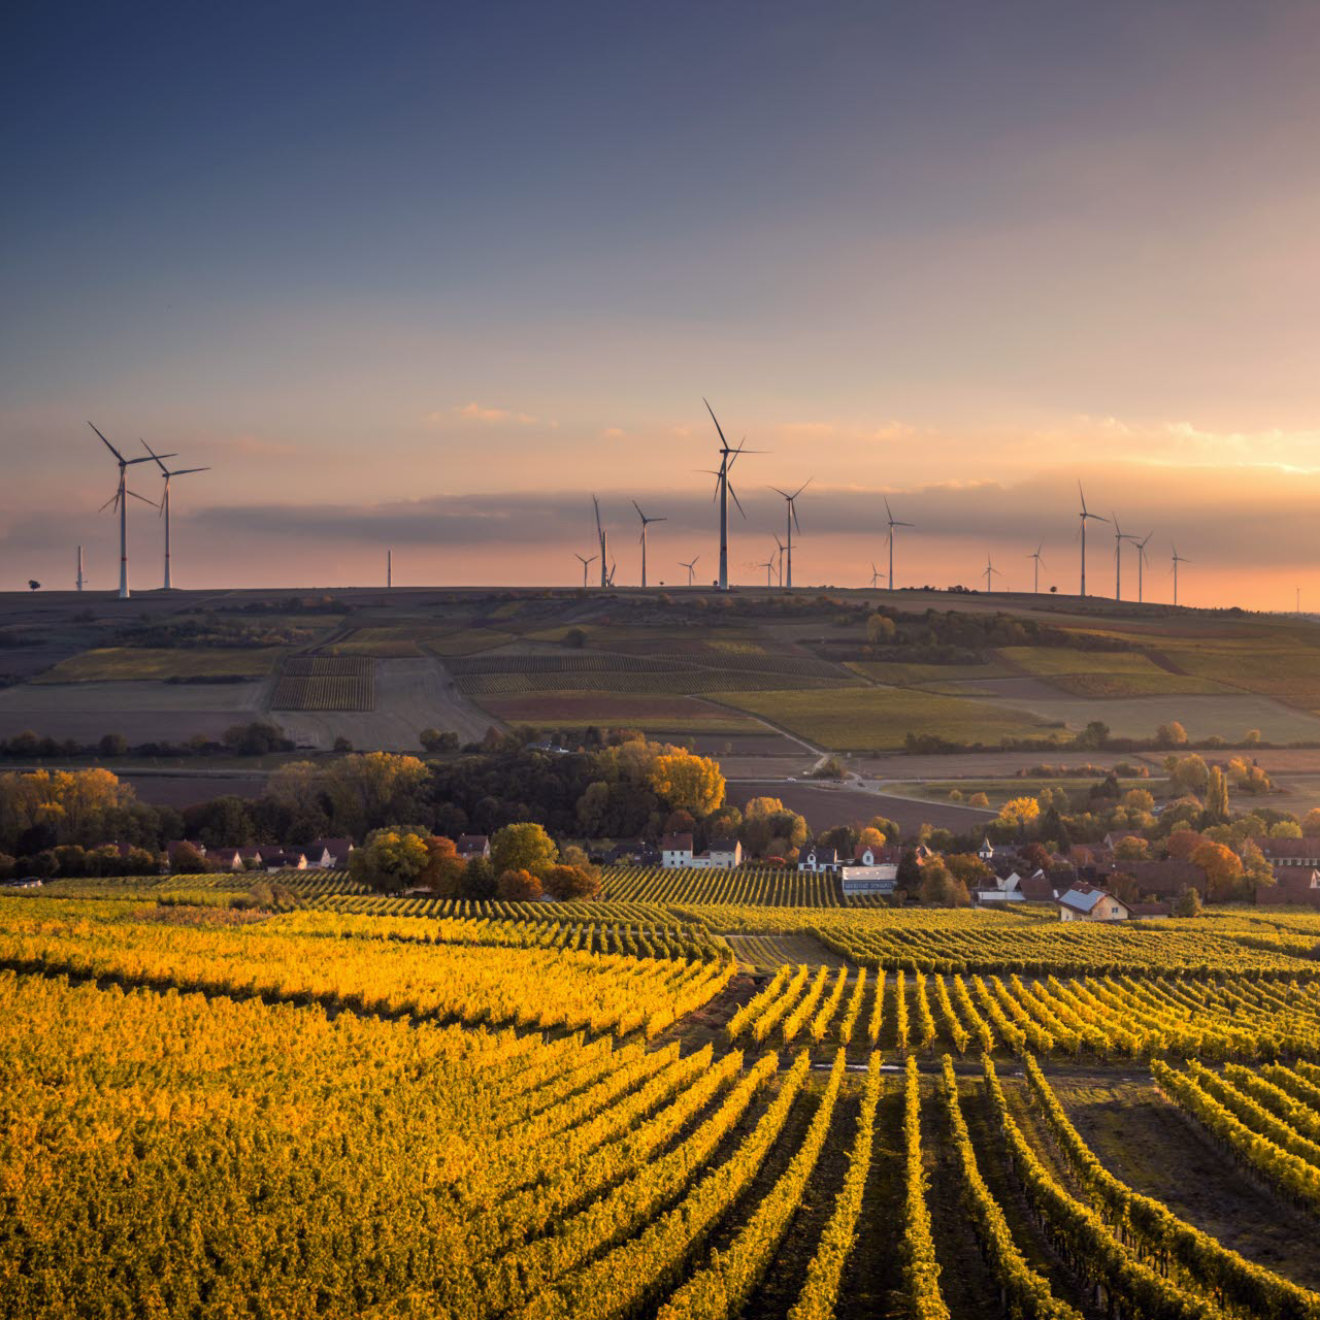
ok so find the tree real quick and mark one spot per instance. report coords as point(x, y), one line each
point(1223, 871)
point(889, 828)
point(880, 630)
point(33, 584)
point(1187, 904)
point(1216, 797)
point(1257, 873)
point(1093, 737)
point(436, 740)
point(968, 868)
point(940, 888)
point(1311, 823)
point(1187, 774)
point(479, 879)
point(518, 886)
point(444, 869)
point(1019, 812)
point(186, 860)
point(112, 744)
point(978, 800)
point(568, 882)
point(681, 779)
point(389, 860)
point(871, 837)
point(1171, 734)
point(1131, 849)
point(522, 847)
point(1183, 842)
point(1286, 829)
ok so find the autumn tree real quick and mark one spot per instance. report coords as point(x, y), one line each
point(870, 837)
point(1216, 797)
point(522, 847)
point(517, 885)
point(1130, 848)
point(444, 869)
point(1257, 873)
point(1019, 812)
point(1171, 734)
point(568, 882)
point(1223, 871)
point(683, 780)
point(1187, 904)
point(940, 888)
point(389, 860)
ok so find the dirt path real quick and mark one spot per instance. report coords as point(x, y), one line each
point(1143, 1139)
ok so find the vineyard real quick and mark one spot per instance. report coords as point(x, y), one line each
point(326, 682)
point(411, 1106)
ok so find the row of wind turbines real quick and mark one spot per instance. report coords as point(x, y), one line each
point(724, 491)
point(119, 501)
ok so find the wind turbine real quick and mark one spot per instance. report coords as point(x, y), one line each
point(1141, 560)
point(780, 544)
point(1177, 559)
point(723, 489)
point(1084, 515)
point(1035, 585)
point(892, 522)
point(603, 539)
point(120, 501)
point(769, 567)
point(1119, 538)
point(990, 570)
point(645, 522)
point(876, 575)
point(587, 561)
point(689, 567)
point(791, 519)
point(80, 572)
point(165, 511)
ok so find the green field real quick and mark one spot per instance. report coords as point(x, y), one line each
point(865, 719)
point(119, 664)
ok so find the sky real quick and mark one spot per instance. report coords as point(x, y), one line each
point(426, 276)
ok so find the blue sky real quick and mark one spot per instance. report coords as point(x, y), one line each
point(359, 258)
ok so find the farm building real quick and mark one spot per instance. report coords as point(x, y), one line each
point(878, 878)
point(1084, 902)
point(819, 860)
point(676, 850)
point(473, 845)
point(328, 854)
point(1295, 886)
point(1290, 852)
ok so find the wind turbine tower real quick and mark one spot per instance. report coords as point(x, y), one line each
point(990, 571)
point(602, 539)
point(389, 569)
point(769, 567)
point(1177, 559)
point(1035, 582)
point(587, 561)
point(791, 519)
point(1141, 561)
point(723, 489)
point(876, 575)
point(780, 544)
point(1084, 515)
point(892, 523)
point(165, 500)
point(645, 523)
point(80, 572)
point(1119, 538)
point(690, 567)
point(120, 501)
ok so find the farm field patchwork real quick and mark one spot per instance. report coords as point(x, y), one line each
point(649, 714)
point(325, 682)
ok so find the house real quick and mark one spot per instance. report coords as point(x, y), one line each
point(1295, 885)
point(1151, 911)
point(1084, 902)
point(877, 876)
point(867, 856)
point(1290, 852)
point(473, 845)
point(676, 850)
point(1037, 888)
point(281, 859)
point(328, 854)
point(818, 860)
point(226, 859)
point(722, 853)
point(986, 852)
point(1164, 879)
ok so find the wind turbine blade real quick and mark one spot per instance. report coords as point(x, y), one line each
point(1082, 494)
point(143, 498)
point(737, 501)
point(107, 444)
point(149, 458)
point(803, 487)
point(793, 510)
point(183, 472)
point(640, 514)
point(154, 455)
point(114, 499)
point(716, 420)
point(889, 513)
point(784, 493)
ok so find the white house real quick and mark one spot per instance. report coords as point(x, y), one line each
point(818, 860)
point(676, 850)
point(1086, 903)
point(726, 853)
point(878, 879)
point(328, 854)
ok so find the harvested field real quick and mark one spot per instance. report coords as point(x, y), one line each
point(858, 719)
point(650, 714)
point(326, 682)
point(410, 695)
point(121, 664)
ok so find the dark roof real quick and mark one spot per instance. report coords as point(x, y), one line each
point(722, 845)
point(1036, 888)
point(676, 843)
point(1167, 878)
point(1304, 848)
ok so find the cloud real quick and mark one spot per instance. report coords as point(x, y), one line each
point(476, 412)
